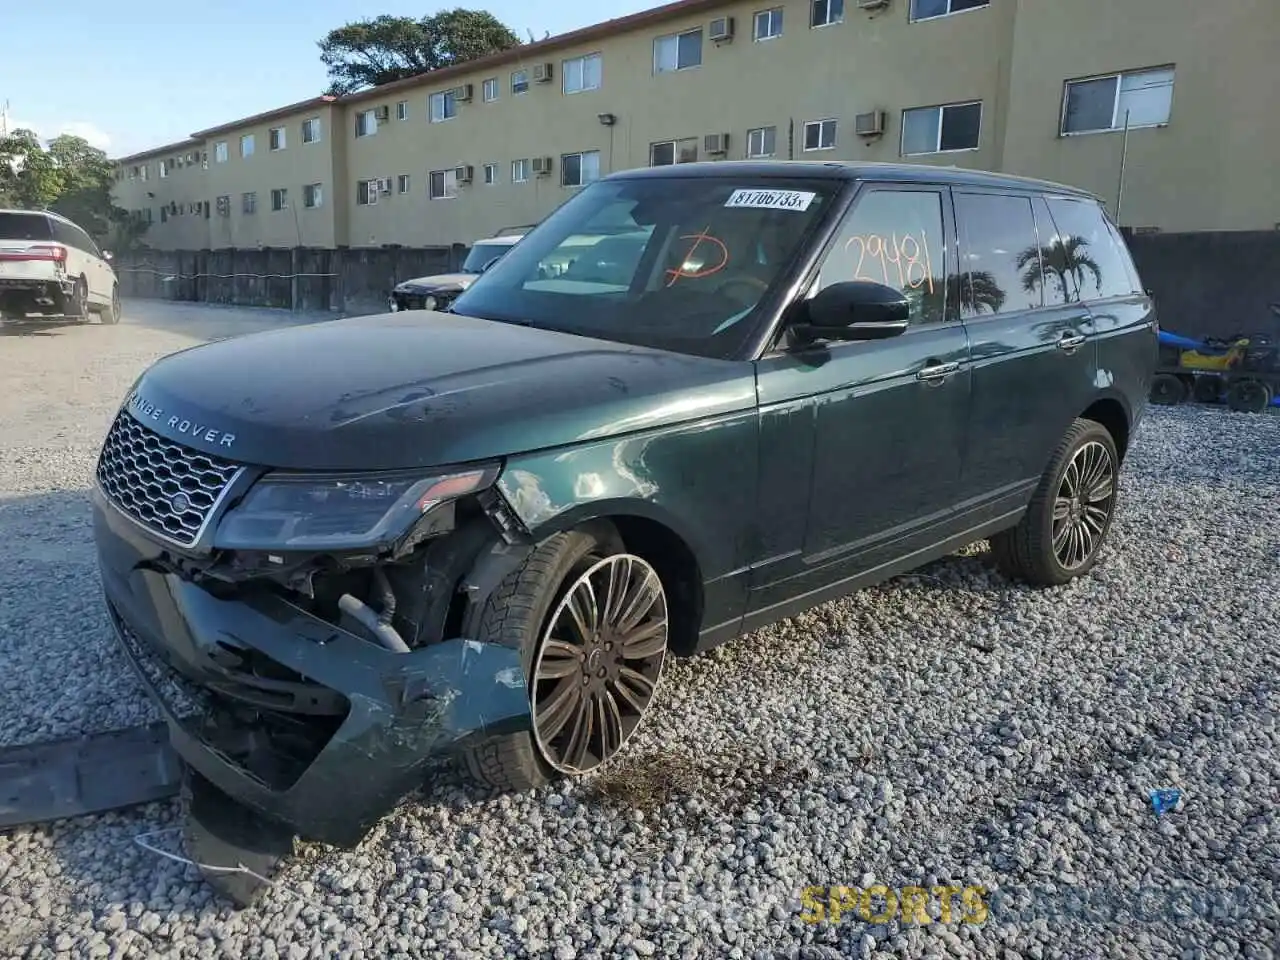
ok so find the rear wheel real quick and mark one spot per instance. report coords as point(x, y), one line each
point(591, 622)
point(1070, 513)
point(1168, 390)
point(1249, 396)
point(111, 312)
point(78, 304)
point(1208, 389)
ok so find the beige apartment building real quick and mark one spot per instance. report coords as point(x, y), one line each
point(1035, 87)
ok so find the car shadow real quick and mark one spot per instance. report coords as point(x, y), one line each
point(34, 328)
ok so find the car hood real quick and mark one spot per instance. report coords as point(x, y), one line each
point(422, 389)
point(454, 281)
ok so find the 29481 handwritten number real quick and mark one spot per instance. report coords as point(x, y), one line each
point(905, 262)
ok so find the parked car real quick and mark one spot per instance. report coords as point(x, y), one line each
point(439, 290)
point(52, 268)
point(335, 551)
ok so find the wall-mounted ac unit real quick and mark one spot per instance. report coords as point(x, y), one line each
point(872, 4)
point(464, 174)
point(373, 193)
point(542, 166)
point(382, 114)
point(464, 93)
point(869, 124)
point(384, 185)
point(721, 30)
point(715, 143)
point(542, 72)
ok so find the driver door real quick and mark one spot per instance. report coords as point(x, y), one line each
point(862, 442)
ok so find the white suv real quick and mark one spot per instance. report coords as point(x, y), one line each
point(51, 267)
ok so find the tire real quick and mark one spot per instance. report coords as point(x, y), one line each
point(111, 312)
point(520, 614)
point(78, 306)
point(1249, 396)
point(1207, 389)
point(1029, 552)
point(1168, 390)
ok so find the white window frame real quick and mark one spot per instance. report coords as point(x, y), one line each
point(1117, 121)
point(307, 124)
point(164, 169)
point(370, 192)
point(521, 170)
point(489, 90)
point(804, 135)
point(445, 99)
point(911, 12)
point(366, 123)
point(762, 131)
point(769, 15)
point(581, 155)
point(314, 193)
point(220, 152)
point(675, 38)
point(277, 134)
point(250, 142)
point(280, 194)
point(829, 21)
point(675, 150)
point(403, 183)
point(942, 108)
point(568, 67)
point(449, 176)
point(524, 82)
point(490, 174)
point(402, 110)
point(249, 202)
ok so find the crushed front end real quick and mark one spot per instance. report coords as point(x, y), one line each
point(305, 635)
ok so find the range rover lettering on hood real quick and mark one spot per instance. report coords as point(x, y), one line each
point(145, 410)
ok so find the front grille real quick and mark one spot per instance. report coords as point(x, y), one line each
point(168, 488)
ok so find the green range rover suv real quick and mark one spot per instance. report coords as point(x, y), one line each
point(333, 552)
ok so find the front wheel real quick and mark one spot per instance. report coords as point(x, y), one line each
point(591, 622)
point(1060, 535)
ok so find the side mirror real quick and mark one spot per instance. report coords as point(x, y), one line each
point(485, 268)
point(855, 310)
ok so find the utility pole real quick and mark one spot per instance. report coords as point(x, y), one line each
point(1124, 160)
point(4, 120)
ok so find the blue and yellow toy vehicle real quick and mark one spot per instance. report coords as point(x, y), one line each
point(1243, 371)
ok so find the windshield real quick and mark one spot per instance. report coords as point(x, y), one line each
point(482, 253)
point(24, 226)
point(674, 263)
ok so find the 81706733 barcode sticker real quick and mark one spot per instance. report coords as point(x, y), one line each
point(797, 200)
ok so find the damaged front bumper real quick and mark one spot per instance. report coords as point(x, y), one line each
point(305, 722)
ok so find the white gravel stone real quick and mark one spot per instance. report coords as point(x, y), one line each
point(948, 728)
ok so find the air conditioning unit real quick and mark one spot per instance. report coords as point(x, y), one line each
point(542, 72)
point(382, 114)
point(464, 93)
point(869, 124)
point(373, 191)
point(872, 4)
point(715, 143)
point(384, 185)
point(464, 173)
point(542, 166)
point(721, 30)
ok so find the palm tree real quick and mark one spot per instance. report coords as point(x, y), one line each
point(1060, 259)
point(980, 290)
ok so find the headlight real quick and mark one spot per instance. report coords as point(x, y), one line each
point(307, 512)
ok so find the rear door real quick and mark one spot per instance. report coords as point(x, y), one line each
point(82, 259)
point(1031, 342)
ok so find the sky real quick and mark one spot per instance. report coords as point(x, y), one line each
point(131, 76)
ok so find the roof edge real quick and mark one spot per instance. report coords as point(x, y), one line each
point(167, 148)
point(299, 107)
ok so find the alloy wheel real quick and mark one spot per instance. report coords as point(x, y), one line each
point(1082, 508)
point(599, 663)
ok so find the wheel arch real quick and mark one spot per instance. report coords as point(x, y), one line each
point(1112, 414)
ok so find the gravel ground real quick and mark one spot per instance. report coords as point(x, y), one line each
point(947, 729)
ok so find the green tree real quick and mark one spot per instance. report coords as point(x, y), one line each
point(29, 175)
point(373, 52)
point(67, 176)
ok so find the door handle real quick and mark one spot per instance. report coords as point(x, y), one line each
point(1069, 342)
point(937, 371)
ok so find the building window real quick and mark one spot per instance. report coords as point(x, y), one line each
point(164, 169)
point(820, 135)
point(279, 199)
point(761, 142)
point(489, 90)
point(204, 160)
point(667, 152)
point(1102, 103)
point(366, 123)
point(275, 138)
point(519, 170)
point(677, 51)
point(312, 196)
point(366, 192)
point(248, 203)
point(944, 129)
point(520, 82)
point(402, 110)
point(582, 73)
point(442, 184)
point(223, 206)
point(767, 24)
point(220, 152)
point(402, 183)
point(311, 130)
point(825, 12)
point(579, 169)
point(444, 106)
point(929, 9)
point(246, 145)
point(490, 173)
